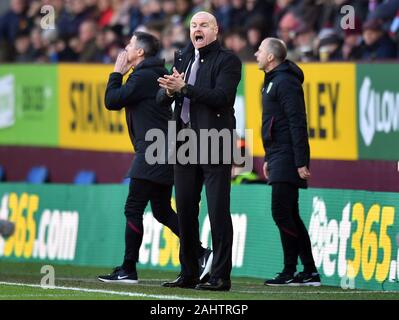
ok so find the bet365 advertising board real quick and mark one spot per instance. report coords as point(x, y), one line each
point(354, 234)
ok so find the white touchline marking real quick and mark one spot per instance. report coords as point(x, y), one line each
point(120, 293)
point(317, 292)
point(36, 295)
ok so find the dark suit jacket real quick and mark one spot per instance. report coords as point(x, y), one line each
point(142, 114)
point(284, 125)
point(213, 94)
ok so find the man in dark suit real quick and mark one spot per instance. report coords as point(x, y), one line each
point(285, 139)
point(203, 85)
point(149, 182)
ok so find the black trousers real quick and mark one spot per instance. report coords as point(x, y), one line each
point(140, 193)
point(188, 182)
point(294, 236)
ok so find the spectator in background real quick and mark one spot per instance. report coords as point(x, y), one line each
point(281, 7)
point(305, 43)
point(329, 46)
point(38, 50)
point(151, 10)
point(88, 50)
point(222, 12)
point(200, 5)
point(73, 15)
point(383, 11)
point(351, 48)
point(260, 11)
point(236, 41)
point(184, 10)
point(261, 18)
point(238, 13)
point(155, 28)
point(135, 15)
point(105, 13)
point(255, 34)
point(330, 16)
point(11, 23)
point(180, 36)
point(377, 44)
point(23, 48)
point(122, 14)
point(168, 49)
point(169, 12)
point(394, 30)
point(287, 28)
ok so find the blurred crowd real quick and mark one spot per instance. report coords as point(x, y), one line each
point(96, 30)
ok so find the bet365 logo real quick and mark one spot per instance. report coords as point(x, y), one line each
point(50, 234)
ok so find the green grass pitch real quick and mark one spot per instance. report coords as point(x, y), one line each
point(21, 281)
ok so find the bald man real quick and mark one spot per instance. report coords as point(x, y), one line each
point(203, 85)
point(286, 167)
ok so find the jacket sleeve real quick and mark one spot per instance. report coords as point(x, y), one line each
point(118, 96)
point(163, 99)
point(290, 95)
point(225, 89)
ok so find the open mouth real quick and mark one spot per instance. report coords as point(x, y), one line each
point(199, 38)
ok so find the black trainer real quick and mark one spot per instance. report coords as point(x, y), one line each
point(120, 276)
point(205, 264)
point(307, 279)
point(281, 279)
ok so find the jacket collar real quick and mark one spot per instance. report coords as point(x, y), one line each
point(213, 46)
point(150, 62)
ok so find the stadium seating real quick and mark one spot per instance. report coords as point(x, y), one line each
point(85, 177)
point(37, 175)
point(2, 174)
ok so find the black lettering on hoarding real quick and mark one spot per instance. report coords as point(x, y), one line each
point(89, 115)
point(73, 104)
point(100, 108)
point(89, 112)
point(308, 100)
point(334, 103)
point(322, 110)
point(327, 99)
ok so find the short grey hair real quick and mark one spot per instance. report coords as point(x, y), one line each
point(278, 48)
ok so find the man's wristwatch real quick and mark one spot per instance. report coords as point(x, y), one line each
point(184, 90)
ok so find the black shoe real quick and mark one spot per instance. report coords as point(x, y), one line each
point(215, 285)
point(281, 279)
point(120, 276)
point(181, 282)
point(307, 279)
point(205, 264)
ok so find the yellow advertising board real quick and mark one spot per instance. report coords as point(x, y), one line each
point(330, 95)
point(84, 122)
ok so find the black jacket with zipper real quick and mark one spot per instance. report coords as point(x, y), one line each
point(137, 96)
point(213, 94)
point(284, 125)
